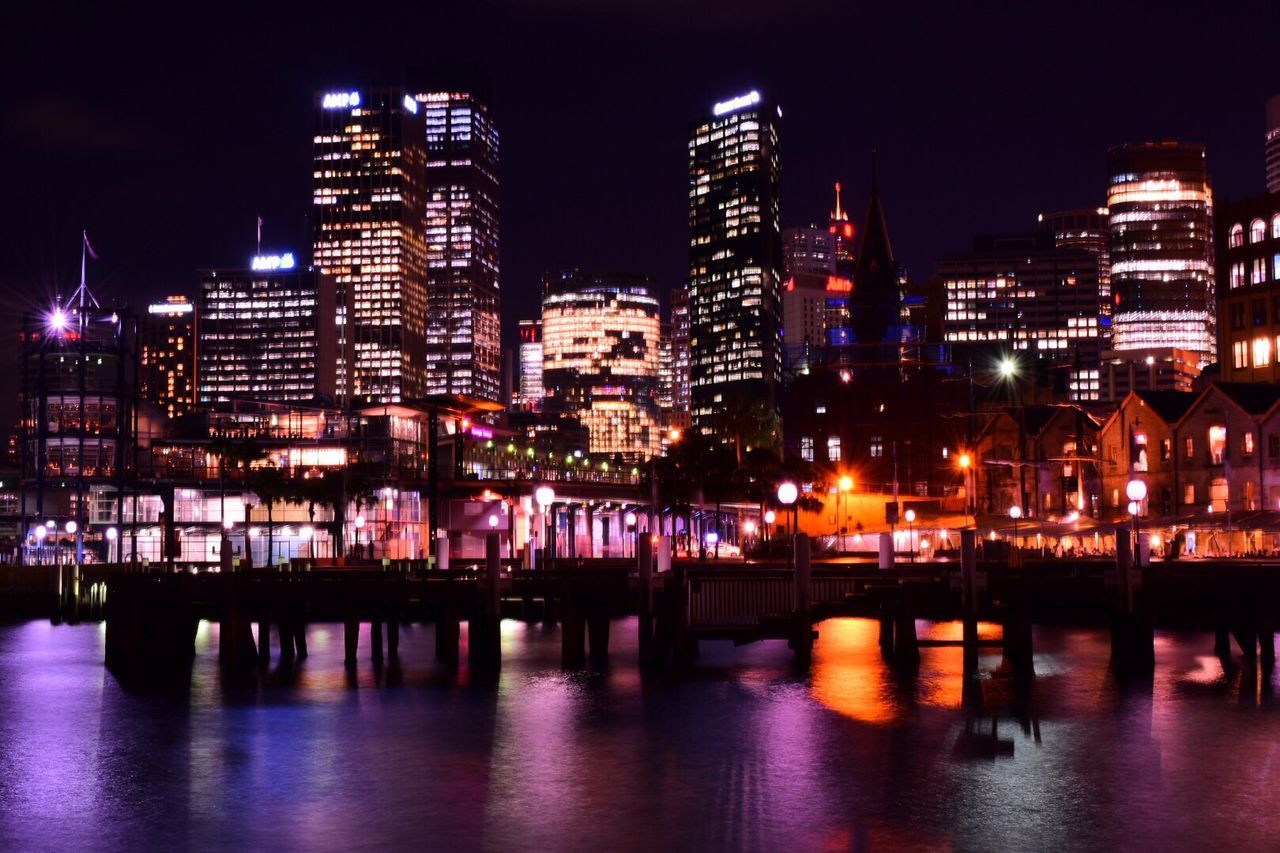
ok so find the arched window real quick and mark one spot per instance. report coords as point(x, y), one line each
point(1257, 231)
point(1236, 239)
point(1275, 227)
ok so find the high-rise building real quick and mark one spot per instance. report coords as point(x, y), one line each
point(367, 211)
point(600, 359)
point(735, 255)
point(679, 416)
point(1023, 297)
point(266, 333)
point(808, 249)
point(1273, 144)
point(531, 390)
point(463, 328)
point(1088, 229)
point(167, 355)
point(1248, 253)
point(1162, 279)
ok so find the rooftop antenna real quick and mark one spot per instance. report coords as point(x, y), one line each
point(83, 292)
point(839, 214)
point(259, 252)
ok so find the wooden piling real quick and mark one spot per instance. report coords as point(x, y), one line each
point(351, 638)
point(644, 608)
point(969, 599)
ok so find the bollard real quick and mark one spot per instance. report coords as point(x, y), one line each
point(886, 550)
point(969, 598)
point(802, 598)
point(644, 557)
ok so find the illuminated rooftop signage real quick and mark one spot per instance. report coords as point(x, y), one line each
point(170, 309)
point(480, 432)
point(273, 262)
point(339, 100)
point(410, 104)
point(748, 100)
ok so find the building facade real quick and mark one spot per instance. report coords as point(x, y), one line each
point(1089, 230)
point(267, 333)
point(1162, 277)
point(1272, 142)
point(1248, 252)
point(463, 323)
point(368, 211)
point(735, 256)
point(600, 346)
point(1023, 296)
point(167, 355)
point(531, 390)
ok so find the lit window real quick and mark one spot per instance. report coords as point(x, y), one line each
point(1240, 354)
point(1259, 271)
point(1275, 227)
point(1257, 231)
point(806, 448)
point(1237, 275)
point(1189, 494)
point(1237, 236)
point(1190, 448)
point(877, 446)
point(833, 448)
point(1247, 445)
point(1217, 444)
point(1261, 352)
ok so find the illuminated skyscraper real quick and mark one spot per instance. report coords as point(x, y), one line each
point(808, 249)
point(1162, 280)
point(1089, 230)
point(531, 390)
point(1273, 144)
point(679, 415)
point(463, 333)
point(735, 256)
point(266, 333)
point(600, 359)
point(367, 210)
point(167, 355)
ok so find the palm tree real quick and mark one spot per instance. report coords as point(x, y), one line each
point(242, 453)
point(271, 486)
point(747, 423)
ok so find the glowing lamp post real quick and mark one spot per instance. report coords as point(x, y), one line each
point(360, 522)
point(1015, 512)
point(966, 465)
point(788, 492)
point(910, 516)
point(630, 520)
point(544, 497)
point(845, 485)
point(1136, 491)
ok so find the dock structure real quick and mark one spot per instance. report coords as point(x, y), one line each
point(152, 617)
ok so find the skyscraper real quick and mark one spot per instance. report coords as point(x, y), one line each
point(367, 212)
point(167, 355)
point(600, 359)
point(681, 388)
point(1088, 229)
point(1162, 280)
point(1273, 144)
point(735, 255)
point(463, 329)
point(531, 390)
point(266, 333)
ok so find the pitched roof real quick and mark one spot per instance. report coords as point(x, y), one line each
point(1256, 398)
point(1169, 405)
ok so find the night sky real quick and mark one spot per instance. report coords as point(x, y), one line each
point(166, 136)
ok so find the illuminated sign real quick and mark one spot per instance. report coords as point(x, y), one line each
point(410, 104)
point(480, 432)
point(273, 262)
point(748, 100)
point(170, 309)
point(338, 100)
point(836, 284)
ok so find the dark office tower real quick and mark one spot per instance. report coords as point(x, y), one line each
point(266, 333)
point(1162, 280)
point(1088, 229)
point(368, 212)
point(1273, 144)
point(464, 346)
point(167, 355)
point(735, 256)
point(808, 249)
point(875, 305)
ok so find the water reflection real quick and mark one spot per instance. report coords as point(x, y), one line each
point(739, 752)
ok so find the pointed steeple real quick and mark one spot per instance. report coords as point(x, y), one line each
point(875, 251)
point(839, 215)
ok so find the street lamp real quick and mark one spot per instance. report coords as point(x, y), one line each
point(846, 485)
point(545, 496)
point(910, 516)
point(1015, 512)
point(1136, 491)
point(787, 494)
point(630, 520)
point(966, 463)
point(359, 526)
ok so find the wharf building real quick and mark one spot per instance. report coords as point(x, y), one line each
point(368, 210)
point(461, 209)
point(1248, 253)
point(79, 426)
point(1161, 212)
point(267, 332)
point(600, 350)
point(1022, 297)
point(167, 355)
point(735, 256)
